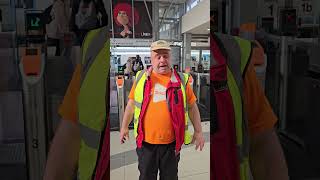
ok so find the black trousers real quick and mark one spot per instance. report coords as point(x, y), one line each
point(154, 157)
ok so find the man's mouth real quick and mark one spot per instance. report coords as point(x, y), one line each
point(163, 66)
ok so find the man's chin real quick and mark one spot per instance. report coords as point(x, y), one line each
point(164, 71)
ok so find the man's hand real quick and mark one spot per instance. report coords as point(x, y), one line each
point(64, 152)
point(267, 160)
point(127, 118)
point(194, 114)
point(124, 134)
point(198, 140)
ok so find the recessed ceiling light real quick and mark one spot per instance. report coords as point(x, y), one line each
point(208, 29)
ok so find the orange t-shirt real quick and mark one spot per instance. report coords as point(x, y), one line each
point(258, 110)
point(157, 123)
point(69, 107)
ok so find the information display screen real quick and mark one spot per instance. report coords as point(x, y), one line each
point(120, 69)
point(34, 21)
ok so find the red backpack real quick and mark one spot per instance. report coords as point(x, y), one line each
point(223, 150)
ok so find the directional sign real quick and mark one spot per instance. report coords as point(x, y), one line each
point(34, 21)
point(269, 9)
point(307, 12)
point(304, 7)
point(120, 70)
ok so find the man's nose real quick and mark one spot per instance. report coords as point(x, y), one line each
point(162, 59)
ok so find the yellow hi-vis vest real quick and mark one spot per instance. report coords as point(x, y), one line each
point(239, 53)
point(141, 78)
point(93, 99)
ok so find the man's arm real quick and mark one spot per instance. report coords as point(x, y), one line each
point(196, 122)
point(64, 152)
point(266, 157)
point(127, 118)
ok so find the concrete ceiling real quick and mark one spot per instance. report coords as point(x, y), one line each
point(202, 29)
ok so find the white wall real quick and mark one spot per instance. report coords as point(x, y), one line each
point(196, 16)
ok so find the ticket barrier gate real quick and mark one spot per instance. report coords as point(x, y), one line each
point(121, 99)
point(123, 89)
point(32, 66)
point(197, 85)
point(292, 94)
point(201, 88)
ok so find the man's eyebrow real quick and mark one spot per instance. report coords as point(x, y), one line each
point(162, 53)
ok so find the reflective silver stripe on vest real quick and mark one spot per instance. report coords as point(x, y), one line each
point(241, 153)
point(182, 79)
point(137, 104)
point(96, 45)
point(140, 76)
point(90, 136)
point(234, 57)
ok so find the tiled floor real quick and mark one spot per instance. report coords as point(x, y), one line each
point(193, 164)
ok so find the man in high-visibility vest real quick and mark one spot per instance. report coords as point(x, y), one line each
point(160, 102)
point(242, 137)
point(81, 146)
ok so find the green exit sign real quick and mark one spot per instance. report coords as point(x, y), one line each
point(34, 21)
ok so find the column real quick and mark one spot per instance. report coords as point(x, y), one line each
point(186, 62)
point(155, 19)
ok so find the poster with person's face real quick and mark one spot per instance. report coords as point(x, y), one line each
point(129, 22)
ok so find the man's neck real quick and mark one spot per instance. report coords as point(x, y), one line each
point(164, 74)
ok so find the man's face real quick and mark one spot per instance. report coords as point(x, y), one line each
point(161, 61)
point(123, 18)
